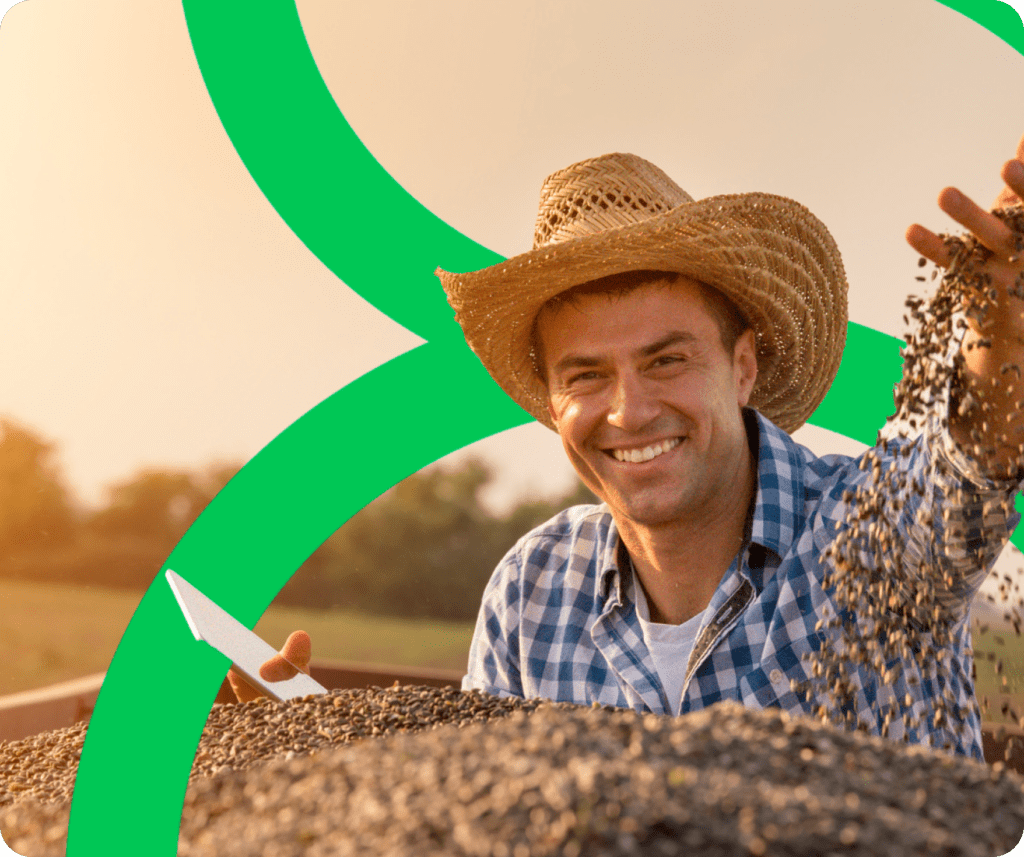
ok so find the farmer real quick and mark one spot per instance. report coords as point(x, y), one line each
point(674, 344)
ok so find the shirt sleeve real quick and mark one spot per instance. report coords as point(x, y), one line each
point(955, 520)
point(494, 652)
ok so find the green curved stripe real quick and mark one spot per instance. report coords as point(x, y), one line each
point(242, 549)
point(995, 16)
point(314, 170)
point(343, 453)
point(860, 399)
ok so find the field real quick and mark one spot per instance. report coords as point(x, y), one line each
point(989, 649)
point(51, 633)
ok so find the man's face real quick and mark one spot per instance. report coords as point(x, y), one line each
point(647, 400)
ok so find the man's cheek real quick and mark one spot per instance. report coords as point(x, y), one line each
point(564, 410)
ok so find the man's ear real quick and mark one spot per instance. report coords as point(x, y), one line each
point(744, 365)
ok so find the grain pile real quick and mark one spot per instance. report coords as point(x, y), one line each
point(564, 780)
point(892, 630)
point(43, 767)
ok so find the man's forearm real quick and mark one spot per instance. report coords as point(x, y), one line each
point(986, 416)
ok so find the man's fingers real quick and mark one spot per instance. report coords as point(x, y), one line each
point(294, 656)
point(295, 653)
point(298, 649)
point(1013, 174)
point(277, 669)
point(928, 244)
point(988, 228)
point(244, 691)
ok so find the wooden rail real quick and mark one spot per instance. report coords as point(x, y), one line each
point(53, 707)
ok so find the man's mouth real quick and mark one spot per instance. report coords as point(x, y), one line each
point(637, 456)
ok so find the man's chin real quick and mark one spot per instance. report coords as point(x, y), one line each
point(650, 514)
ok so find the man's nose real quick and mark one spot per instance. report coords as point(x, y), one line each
point(632, 406)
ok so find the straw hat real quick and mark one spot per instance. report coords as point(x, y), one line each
point(769, 255)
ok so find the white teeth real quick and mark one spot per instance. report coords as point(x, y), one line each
point(647, 453)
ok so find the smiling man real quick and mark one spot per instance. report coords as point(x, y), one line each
point(674, 344)
point(646, 391)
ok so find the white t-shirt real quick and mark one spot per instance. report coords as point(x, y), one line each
point(669, 645)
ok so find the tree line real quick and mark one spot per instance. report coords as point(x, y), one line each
point(425, 548)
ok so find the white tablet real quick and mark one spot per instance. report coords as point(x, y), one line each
point(246, 651)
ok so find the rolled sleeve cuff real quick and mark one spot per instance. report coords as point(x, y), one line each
point(967, 468)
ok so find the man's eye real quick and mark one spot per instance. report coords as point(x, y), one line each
point(581, 378)
point(668, 359)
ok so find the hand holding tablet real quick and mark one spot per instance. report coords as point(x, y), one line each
point(257, 670)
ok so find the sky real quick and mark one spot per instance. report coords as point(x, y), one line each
point(158, 312)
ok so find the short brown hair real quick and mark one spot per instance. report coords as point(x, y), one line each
point(730, 321)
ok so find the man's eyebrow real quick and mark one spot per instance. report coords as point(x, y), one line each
point(575, 361)
point(676, 337)
point(584, 361)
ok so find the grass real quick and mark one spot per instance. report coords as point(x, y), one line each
point(51, 633)
point(348, 636)
point(1002, 646)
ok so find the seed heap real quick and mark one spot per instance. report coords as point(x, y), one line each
point(892, 629)
point(41, 767)
point(235, 737)
point(565, 780)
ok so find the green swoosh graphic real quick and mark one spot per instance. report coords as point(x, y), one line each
point(241, 550)
point(995, 16)
point(316, 173)
point(310, 479)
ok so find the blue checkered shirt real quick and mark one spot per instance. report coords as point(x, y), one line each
point(558, 621)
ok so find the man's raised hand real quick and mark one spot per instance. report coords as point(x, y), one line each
point(1000, 427)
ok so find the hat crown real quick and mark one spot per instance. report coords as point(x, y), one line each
point(602, 193)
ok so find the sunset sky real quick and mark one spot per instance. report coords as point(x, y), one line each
point(158, 312)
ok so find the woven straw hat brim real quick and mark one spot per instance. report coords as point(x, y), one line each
point(768, 254)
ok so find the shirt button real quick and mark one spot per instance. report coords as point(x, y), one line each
point(775, 676)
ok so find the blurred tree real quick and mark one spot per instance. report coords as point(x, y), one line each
point(155, 505)
point(425, 548)
point(530, 513)
point(36, 510)
point(125, 543)
point(214, 477)
point(158, 506)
